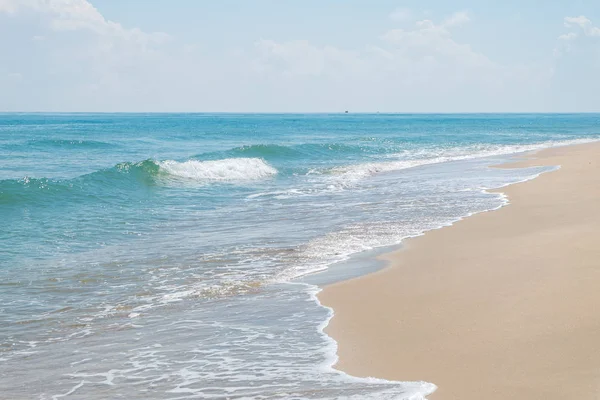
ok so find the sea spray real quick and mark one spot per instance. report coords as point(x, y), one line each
point(232, 169)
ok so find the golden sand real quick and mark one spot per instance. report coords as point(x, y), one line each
point(501, 305)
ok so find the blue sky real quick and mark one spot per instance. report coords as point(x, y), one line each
point(292, 56)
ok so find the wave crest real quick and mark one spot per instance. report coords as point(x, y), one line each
point(126, 174)
point(229, 169)
point(364, 170)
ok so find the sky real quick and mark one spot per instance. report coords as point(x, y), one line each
point(300, 56)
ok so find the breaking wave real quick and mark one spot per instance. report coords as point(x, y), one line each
point(124, 175)
point(230, 169)
point(364, 170)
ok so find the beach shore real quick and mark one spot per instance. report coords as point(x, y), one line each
point(501, 305)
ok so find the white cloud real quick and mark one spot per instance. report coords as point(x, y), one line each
point(576, 64)
point(435, 41)
point(401, 14)
point(76, 59)
point(73, 15)
point(568, 36)
point(568, 41)
point(564, 43)
point(80, 58)
point(300, 58)
point(425, 61)
point(456, 19)
point(581, 21)
point(8, 6)
point(296, 57)
point(584, 23)
point(419, 68)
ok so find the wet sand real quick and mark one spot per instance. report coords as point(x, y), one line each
point(501, 305)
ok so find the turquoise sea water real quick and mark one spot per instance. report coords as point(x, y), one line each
point(165, 255)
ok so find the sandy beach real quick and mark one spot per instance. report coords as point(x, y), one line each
point(501, 305)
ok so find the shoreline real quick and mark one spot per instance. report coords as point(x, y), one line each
point(488, 314)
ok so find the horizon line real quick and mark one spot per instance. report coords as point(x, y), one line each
point(310, 112)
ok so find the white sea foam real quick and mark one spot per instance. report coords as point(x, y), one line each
point(229, 169)
point(436, 156)
point(411, 390)
point(337, 246)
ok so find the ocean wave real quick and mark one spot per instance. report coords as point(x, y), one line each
point(340, 178)
point(226, 170)
point(26, 190)
point(88, 186)
point(126, 174)
point(436, 156)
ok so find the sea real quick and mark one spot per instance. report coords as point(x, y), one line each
point(179, 256)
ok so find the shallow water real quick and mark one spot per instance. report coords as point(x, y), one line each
point(165, 256)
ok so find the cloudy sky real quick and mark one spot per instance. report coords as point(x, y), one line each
point(300, 56)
